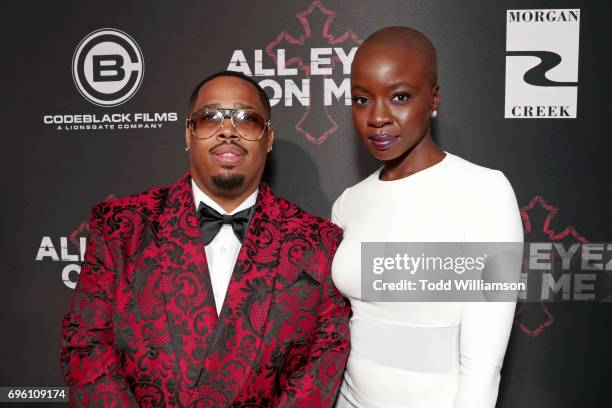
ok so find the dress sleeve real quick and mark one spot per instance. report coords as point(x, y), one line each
point(485, 326)
point(336, 216)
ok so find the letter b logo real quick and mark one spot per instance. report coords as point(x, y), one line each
point(100, 66)
point(107, 67)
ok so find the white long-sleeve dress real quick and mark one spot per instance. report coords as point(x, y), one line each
point(428, 354)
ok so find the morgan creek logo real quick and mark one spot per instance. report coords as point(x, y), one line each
point(542, 63)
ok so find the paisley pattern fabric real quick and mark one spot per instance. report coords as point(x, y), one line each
point(142, 328)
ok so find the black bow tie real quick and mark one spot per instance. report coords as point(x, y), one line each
point(211, 222)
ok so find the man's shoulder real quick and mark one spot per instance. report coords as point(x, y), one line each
point(148, 203)
point(301, 223)
point(290, 212)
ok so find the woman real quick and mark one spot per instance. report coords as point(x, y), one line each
point(409, 354)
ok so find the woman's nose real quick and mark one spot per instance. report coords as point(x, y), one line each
point(379, 116)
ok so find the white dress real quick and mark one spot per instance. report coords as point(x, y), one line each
point(435, 354)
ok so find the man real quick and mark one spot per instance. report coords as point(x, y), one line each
point(172, 309)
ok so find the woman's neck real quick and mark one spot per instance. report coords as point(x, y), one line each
point(425, 154)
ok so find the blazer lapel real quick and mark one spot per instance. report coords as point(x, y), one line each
point(187, 289)
point(238, 336)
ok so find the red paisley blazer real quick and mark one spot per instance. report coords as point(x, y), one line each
point(142, 328)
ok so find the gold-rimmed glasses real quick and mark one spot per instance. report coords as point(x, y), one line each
point(249, 125)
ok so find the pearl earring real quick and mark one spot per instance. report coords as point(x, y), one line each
point(186, 148)
point(434, 113)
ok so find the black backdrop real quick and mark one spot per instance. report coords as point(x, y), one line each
point(559, 354)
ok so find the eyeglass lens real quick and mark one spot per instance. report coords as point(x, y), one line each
point(250, 125)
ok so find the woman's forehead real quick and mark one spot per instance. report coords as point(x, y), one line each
point(404, 65)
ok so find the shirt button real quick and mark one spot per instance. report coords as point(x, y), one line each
point(152, 353)
point(223, 249)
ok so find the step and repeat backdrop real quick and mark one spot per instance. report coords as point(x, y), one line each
point(96, 93)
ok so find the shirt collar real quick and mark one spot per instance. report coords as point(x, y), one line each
point(199, 195)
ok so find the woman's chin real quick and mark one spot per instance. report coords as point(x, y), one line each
point(383, 155)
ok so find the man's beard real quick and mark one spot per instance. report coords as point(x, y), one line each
point(228, 182)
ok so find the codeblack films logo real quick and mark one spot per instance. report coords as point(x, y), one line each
point(108, 70)
point(542, 63)
point(108, 67)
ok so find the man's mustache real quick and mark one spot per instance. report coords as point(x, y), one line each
point(229, 142)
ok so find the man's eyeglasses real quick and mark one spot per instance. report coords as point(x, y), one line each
point(249, 124)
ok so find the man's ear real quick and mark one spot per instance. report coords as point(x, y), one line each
point(187, 138)
point(270, 140)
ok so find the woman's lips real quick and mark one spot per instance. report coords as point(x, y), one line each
point(382, 141)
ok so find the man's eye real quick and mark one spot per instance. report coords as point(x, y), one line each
point(360, 100)
point(401, 97)
point(208, 116)
point(249, 117)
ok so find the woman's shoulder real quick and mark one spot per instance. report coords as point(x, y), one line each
point(467, 169)
point(364, 186)
point(350, 195)
point(466, 174)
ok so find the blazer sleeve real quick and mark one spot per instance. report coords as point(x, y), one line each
point(318, 384)
point(88, 360)
point(485, 326)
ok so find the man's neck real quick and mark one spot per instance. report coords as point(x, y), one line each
point(228, 200)
point(229, 204)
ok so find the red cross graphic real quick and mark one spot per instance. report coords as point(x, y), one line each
point(533, 318)
point(309, 19)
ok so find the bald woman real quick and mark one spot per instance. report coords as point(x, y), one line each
point(410, 354)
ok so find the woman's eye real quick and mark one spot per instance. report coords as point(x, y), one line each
point(360, 100)
point(401, 97)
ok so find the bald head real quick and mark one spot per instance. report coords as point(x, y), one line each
point(398, 38)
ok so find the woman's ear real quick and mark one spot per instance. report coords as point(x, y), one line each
point(435, 100)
